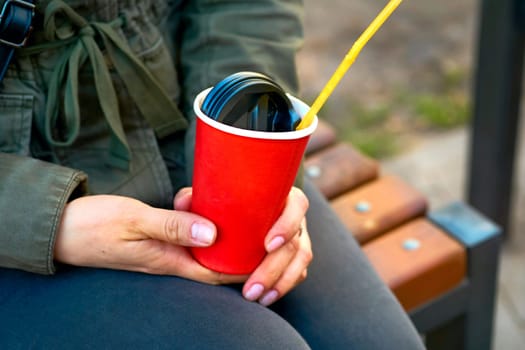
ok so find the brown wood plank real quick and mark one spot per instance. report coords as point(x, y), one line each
point(434, 266)
point(323, 136)
point(378, 206)
point(339, 168)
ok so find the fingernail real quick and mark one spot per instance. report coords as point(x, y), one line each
point(202, 233)
point(254, 292)
point(269, 298)
point(275, 243)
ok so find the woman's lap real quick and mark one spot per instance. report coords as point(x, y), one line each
point(342, 304)
point(89, 308)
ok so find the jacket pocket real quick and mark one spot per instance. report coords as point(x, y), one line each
point(15, 123)
point(159, 62)
point(146, 31)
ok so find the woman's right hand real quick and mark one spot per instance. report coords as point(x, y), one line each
point(118, 232)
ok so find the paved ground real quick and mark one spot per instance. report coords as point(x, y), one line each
point(437, 167)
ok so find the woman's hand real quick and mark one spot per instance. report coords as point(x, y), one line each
point(123, 233)
point(289, 254)
point(288, 246)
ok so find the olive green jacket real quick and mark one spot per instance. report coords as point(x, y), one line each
point(61, 134)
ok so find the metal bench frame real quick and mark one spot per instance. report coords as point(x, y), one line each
point(496, 97)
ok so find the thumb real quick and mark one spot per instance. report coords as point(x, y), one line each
point(178, 227)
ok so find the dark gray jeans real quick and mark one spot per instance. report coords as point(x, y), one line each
point(341, 305)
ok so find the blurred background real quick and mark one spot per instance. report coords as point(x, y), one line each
point(407, 102)
point(412, 79)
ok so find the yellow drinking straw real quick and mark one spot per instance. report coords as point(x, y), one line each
point(347, 62)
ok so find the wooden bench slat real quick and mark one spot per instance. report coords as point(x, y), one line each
point(323, 136)
point(422, 274)
point(339, 168)
point(390, 202)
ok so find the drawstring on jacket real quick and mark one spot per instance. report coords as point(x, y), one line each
point(80, 39)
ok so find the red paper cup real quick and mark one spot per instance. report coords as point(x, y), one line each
point(241, 180)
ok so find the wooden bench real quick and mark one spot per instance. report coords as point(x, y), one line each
point(441, 265)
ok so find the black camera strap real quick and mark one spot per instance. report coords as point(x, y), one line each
point(15, 26)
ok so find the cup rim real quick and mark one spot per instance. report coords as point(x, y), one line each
point(298, 105)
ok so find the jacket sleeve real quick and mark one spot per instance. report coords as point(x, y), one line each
point(223, 37)
point(33, 195)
